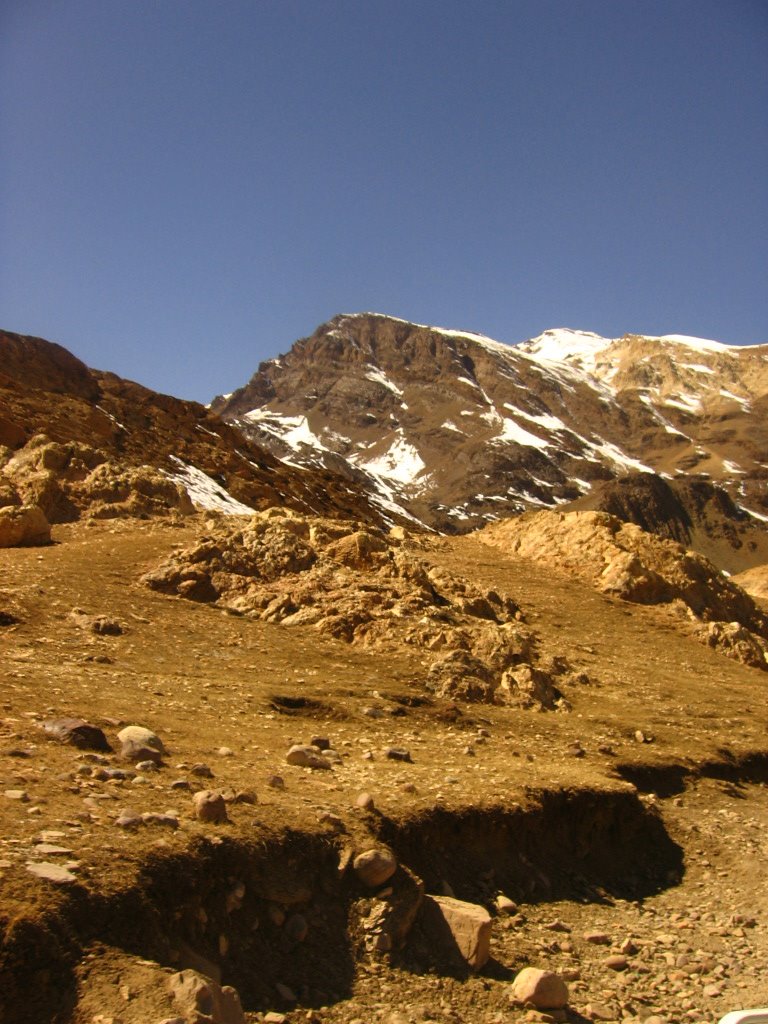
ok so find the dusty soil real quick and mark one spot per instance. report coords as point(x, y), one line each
point(639, 813)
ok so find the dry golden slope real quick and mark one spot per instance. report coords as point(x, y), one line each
point(496, 797)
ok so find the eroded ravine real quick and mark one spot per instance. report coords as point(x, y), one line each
point(278, 911)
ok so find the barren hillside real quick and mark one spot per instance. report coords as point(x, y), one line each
point(298, 761)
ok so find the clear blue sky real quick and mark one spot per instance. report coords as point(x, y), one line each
point(187, 186)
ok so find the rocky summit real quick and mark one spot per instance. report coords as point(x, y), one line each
point(421, 680)
point(459, 430)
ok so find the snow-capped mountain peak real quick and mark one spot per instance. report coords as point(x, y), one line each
point(457, 428)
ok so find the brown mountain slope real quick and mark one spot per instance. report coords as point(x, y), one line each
point(72, 438)
point(461, 430)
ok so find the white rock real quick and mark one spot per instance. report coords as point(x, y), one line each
point(51, 872)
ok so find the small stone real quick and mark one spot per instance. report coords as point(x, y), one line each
point(374, 867)
point(616, 962)
point(504, 905)
point(181, 784)
point(600, 1011)
point(225, 752)
point(52, 850)
point(398, 754)
point(201, 771)
point(17, 794)
point(235, 897)
point(545, 990)
point(326, 818)
point(140, 744)
point(201, 996)
point(276, 915)
point(129, 819)
point(304, 756)
point(597, 938)
point(296, 928)
point(558, 926)
point(321, 742)
point(713, 990)
point(272, 1017)
point(78, 732)
point(103, 626)
point(286, 993)
point(168, 820)
point(276, 782)
point(209, 806)
point(51, 872)
point(365, 802)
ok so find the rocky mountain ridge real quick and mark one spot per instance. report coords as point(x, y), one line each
point(460, 430)
point(81, 442)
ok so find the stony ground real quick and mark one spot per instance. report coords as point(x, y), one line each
point(229, 696)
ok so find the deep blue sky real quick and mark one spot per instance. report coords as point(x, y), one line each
point(187, 186)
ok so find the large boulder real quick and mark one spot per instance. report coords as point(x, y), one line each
point(140, 744)
point(375, 867)
point(463, 928)
point(200, 998)
point(23, 525)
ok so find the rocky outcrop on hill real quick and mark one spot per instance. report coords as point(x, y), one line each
point(67, 481)
point(367, 587)
point(755, 582)
point(76, 441)
point(461, 430)
point(623, 561)
point(690, 510)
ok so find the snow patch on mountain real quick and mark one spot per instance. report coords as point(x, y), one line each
point(512, 431)
point(700, 344)
point(379, 377)
point(204, 492)
point(293, 430)
point(562, 344)
point(400, 463)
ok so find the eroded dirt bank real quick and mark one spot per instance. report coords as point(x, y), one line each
point(633, 809)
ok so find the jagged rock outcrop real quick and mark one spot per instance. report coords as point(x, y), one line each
point(366, 587)
point(623, 561)
point(67, 481)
